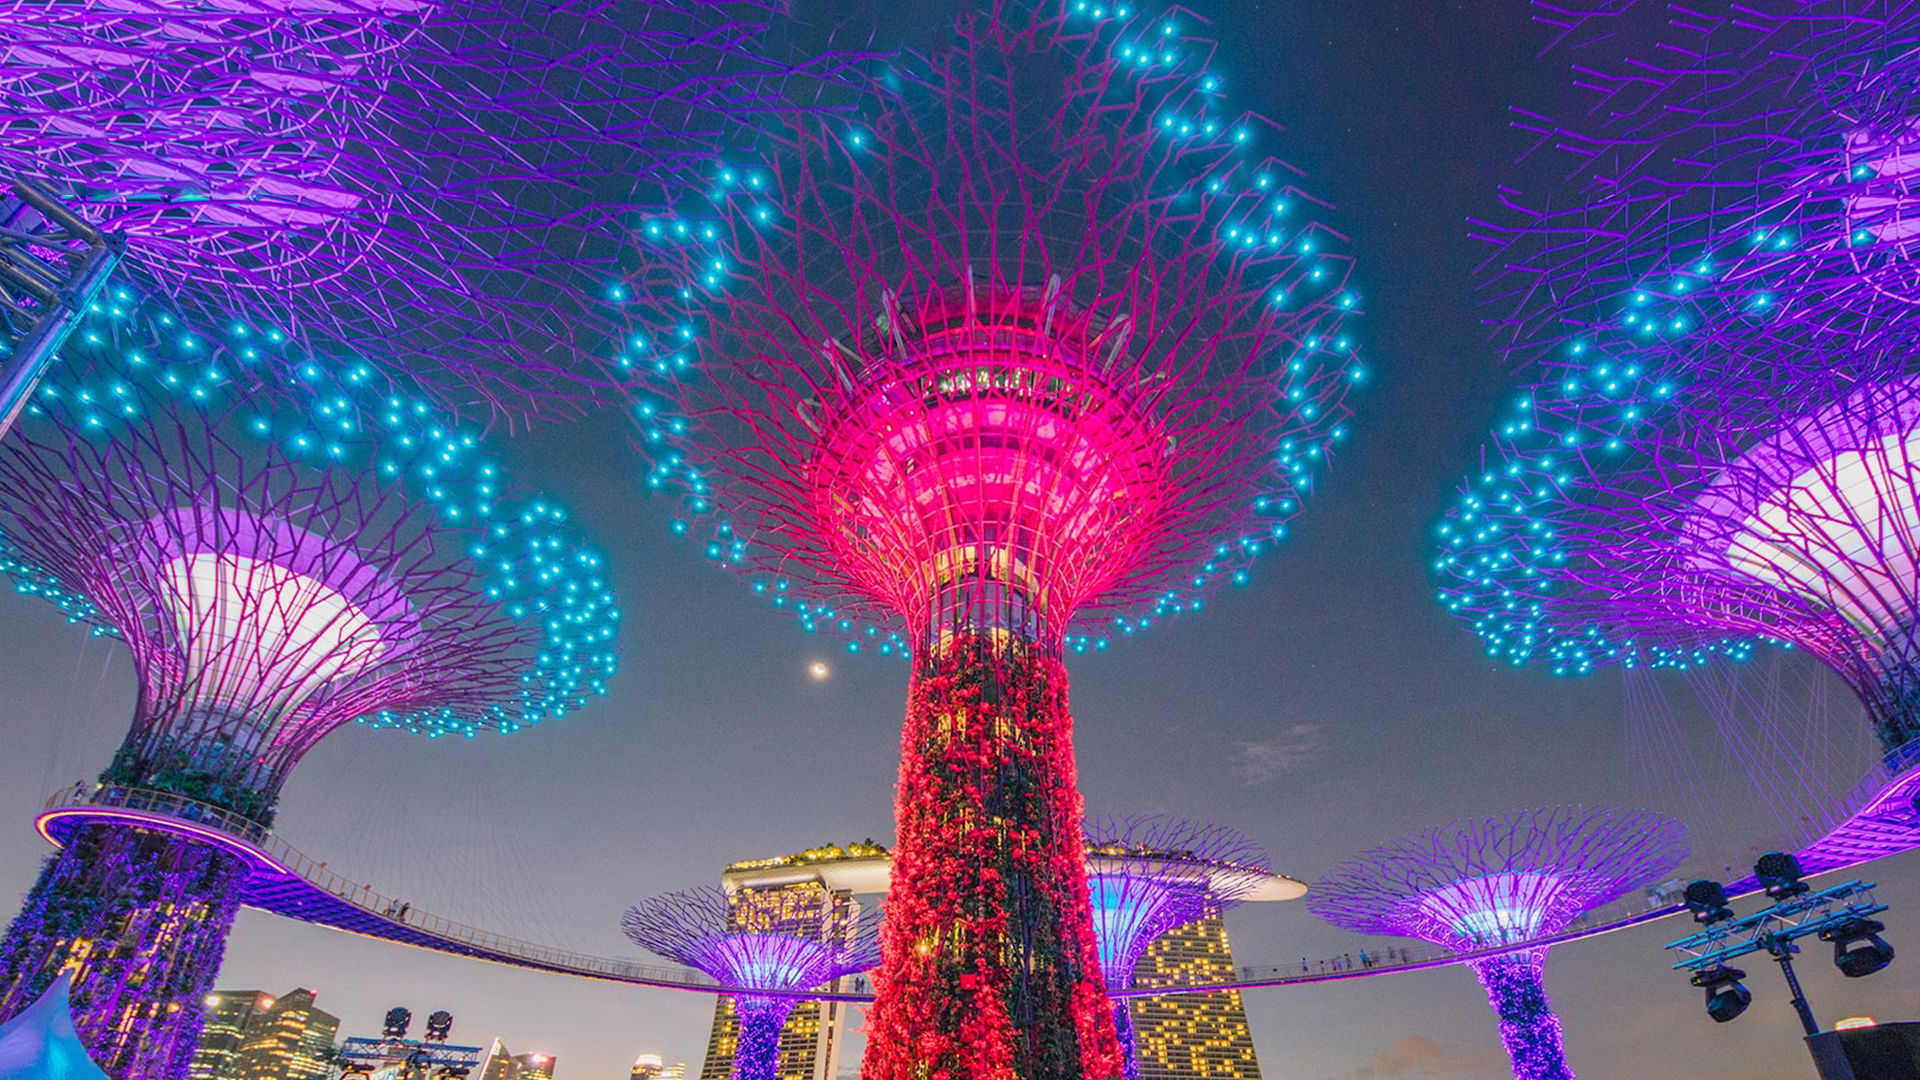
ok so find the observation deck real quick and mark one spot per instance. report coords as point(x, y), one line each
point(1881, 818)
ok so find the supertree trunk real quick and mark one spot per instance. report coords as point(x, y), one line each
point(757, 1056)
point(1129, 1050)
point(989, 968)
point(1518, 993)
point(141, 918)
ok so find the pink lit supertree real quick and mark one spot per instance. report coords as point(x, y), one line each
point(438, 182)
point(276, 572)
point(781, 940)
point(1483, 883)
point(1028, 357)
point(1152, 874)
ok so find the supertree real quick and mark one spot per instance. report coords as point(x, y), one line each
point(1712, 448)
point(1480, 883)
point(440, 181)
point(783, 941)
point(1029, 357)
point(276, 572)
point(1149, 875)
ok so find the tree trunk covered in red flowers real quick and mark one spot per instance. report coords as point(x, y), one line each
point(989, 970)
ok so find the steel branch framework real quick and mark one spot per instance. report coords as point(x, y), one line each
point(1712, 450)
point(1032, 354)
point(1484, 881)
point(439, 180)
point(276, 573)
point(801, 941)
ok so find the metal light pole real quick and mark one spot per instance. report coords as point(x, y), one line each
point(52, 265)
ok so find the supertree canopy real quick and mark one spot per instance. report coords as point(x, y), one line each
point(276, 572)
point(1712, 447)
point(1748, 164)
point(440, 181)
point(1149, 875)
point(1479, 883)
point(1029, 356)
point(782, 941)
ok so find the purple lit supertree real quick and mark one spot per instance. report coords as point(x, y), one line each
point(1030, 356)
point(438, 182)
point(1480, 883)
point(770, 940)
point(1149, 875)
point(276, 572)
point(1712, 449)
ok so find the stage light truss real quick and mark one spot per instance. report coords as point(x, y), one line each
point(1767, 931)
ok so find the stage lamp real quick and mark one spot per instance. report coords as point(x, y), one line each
point(1780, 875)
point(439, 1026)
point(399, 1019)
point(1726, 997)
point(1708, 901)
point(1858, 948)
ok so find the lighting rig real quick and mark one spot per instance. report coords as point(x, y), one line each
point(1843, 914)
point(53, 264)
point(393, 1056)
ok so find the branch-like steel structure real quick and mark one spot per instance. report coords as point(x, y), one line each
point(1516, 877)
point(1712, 449)
point(1149, 875)
point(759, 939)
point(276, 572)
point(1032, 354)
point(439, 182)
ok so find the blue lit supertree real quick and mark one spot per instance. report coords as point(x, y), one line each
point(1480, 883)
point(783, 941)
point(1149, 875)
point(442, 182)
point(276, 571)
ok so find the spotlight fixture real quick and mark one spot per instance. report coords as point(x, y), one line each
point(1726, 997)
point(1779, 874)
point(1858, 948)
point(439, 1026)
point(1708, 901)
point(399, 1019)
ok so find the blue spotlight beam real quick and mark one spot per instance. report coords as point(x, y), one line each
point(1783, 923)
point(53, 264)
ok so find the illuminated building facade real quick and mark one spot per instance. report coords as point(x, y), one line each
point(228, 1013)
point(1192, 1036)
point(761, 889)
point(289, 1039)
point(502, 1064)
point(655, 1067)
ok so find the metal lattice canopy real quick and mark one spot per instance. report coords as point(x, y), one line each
point(278, 571)
point(1040, 338)
point(437, 180)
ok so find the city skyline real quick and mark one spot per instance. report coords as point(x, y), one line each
point(1286, 710)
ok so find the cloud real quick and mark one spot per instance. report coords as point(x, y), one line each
point(1416, 1055)
point(1267, 760)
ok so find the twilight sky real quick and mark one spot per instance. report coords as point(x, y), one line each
point(1327, 706)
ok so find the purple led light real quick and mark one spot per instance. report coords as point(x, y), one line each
point(792, 938)
point(1480, 882)
point(435, 181)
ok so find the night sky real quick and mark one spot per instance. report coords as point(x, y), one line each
point(1327, 706)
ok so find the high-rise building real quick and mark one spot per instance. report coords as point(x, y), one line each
point(227, 1015)
point(1192, 1036)
point(647, 1067)
point(289, 1039)
point(765, 890)
point(502, 1064)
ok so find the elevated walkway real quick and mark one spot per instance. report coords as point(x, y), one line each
point(1881, 818)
